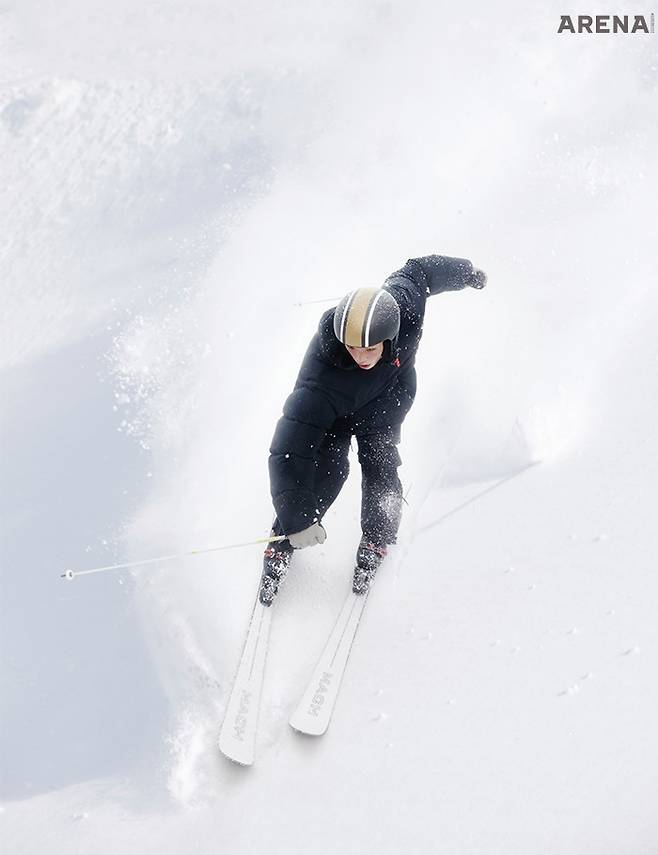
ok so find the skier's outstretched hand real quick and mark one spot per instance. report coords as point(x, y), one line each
point(478, 279)
point(308, 537)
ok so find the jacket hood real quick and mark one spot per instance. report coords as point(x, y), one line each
point(331, 350)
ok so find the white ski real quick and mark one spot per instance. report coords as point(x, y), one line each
point(237, 738)
point(313, 714)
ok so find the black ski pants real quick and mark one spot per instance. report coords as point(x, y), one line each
point(381, 488)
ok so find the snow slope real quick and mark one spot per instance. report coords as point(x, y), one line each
point(178, 179)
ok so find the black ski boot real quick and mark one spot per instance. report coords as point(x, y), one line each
point(276, 561)
point(368, 558)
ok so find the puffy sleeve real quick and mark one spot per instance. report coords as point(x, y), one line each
point(420, 278)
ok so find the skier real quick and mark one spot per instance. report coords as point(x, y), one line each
point(357, 379)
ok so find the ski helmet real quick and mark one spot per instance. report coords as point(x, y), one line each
point(365, 317)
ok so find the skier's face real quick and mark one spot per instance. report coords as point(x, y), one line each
point(366, 357)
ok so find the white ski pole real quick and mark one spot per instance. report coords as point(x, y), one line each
point(71, 574)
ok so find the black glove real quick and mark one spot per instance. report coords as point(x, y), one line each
point(478, 279)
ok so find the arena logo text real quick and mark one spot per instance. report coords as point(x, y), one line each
point(607, 24)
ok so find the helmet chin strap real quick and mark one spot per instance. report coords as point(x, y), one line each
point(393, 353)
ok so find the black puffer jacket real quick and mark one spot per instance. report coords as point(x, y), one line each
point(330, 387)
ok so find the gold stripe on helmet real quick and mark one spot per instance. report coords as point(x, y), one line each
point(356, 316)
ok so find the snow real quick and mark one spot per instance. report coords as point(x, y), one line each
point(186, 187)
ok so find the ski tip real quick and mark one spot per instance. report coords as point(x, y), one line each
point(243, 760)
point(307, 730)
point(237, 751)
